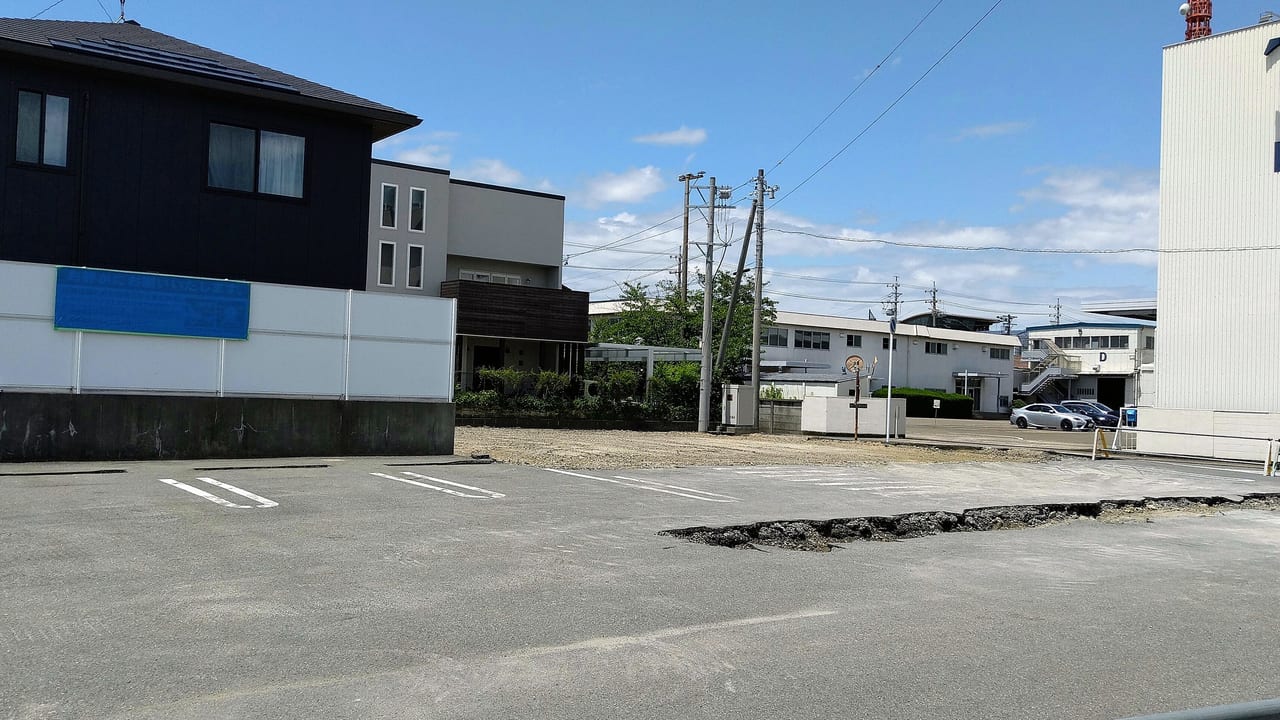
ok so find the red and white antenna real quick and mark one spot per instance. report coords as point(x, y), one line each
point(1198, 14)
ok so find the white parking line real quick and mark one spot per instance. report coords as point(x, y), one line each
point(640, 487)
point(262, 502)
point(675, 487)
point(486, 494)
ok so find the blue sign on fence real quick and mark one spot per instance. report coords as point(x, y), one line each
point(146, 304)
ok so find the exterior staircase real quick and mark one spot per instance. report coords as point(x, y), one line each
point(1047, 364)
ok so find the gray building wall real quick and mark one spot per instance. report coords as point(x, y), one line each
point(434, 240)
point(469, 226)
point(517, 226)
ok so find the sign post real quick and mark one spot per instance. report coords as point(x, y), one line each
point(853, 364)
point(936, 404)
point(888, 408)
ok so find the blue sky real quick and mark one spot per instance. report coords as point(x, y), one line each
point(1039, 130)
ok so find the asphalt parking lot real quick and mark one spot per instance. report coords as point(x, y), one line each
point(385, 588)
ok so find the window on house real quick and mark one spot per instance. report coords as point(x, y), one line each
point(250, 160)
point(884, 343)
point(417, 210)
point(1120, 341)
point(813, 340)
point(1151, 343)
point(387, 264)
point(497, 278)
point(853, 340)
point(775, 337)
point(415, 267)
point(935, 348)
point(1000, 353)
point(42, 128)
point(390, 195)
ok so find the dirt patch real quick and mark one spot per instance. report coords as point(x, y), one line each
point(619, 449)
point(828, 535)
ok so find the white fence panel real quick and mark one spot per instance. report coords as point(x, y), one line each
point(139, 363)
point(272, 364)
point(34, 355)
point(401, 346)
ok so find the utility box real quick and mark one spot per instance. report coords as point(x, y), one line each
point(739, 405)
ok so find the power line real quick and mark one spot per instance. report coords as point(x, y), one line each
point(859, 85)
point(1040, 251)
point(56, 4)
point(614, 269)
point(893, 104)
point(620, 242)
point(105, 12)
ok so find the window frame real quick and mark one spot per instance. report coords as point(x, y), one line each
point(422, 267)
point(996, 353)
point(381, 245)
point(305, 189)
point(42, 130)
point(884, 343)
point(771, 334)
point(409, 222)
point(852, 340)
point(382, 206)
point(812, 340)
point(935, 348)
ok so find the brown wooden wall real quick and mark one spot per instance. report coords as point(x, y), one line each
point(518, 312)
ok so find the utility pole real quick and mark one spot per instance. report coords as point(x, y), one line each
point(933, 304)
point(1057, 312)
point(708, 288)
point(895, 297)
point(1008, 322)
point(684, 245)
point(756, 330)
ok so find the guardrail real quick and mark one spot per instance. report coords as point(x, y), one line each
point(1261, 710)
point(1270, 465)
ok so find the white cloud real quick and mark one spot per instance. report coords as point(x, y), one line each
point(982, 132)
point(489, 170)
point(628, 186)
point(682, 136)
point(436, 156)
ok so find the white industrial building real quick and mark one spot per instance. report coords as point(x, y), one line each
point(1220, 261)
point(1088, 361)
point(977, 364)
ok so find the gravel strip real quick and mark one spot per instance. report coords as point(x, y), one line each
point(618, 449)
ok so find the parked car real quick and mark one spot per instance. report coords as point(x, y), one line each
point(1100, 417)
point(1044, 415)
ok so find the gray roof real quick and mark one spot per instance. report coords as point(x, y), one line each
point(60, 39)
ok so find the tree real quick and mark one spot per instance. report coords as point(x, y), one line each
point(663, 320)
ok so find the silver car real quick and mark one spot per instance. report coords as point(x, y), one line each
point(1045, 415)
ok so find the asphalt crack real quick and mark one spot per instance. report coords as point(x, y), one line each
point(828, 535)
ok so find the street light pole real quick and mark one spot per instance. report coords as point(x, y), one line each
point(684, 245)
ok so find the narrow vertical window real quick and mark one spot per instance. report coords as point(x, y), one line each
point(280, 163)
point(415, 267)
point(417, 210)
point(387, 264)
point(43, 122)
point(389, 197)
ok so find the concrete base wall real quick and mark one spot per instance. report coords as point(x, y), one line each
point(1218, 433)
point(49, 427)
point(780, 417)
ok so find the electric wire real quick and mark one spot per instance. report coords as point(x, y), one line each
point(1034, 251)
point(56, 4)
point(892, 105)
point(857, 87)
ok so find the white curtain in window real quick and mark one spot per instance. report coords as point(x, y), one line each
point(280, 164)
point(56, 113)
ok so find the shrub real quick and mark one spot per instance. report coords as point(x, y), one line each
point(773, 392)
point(478, 400)
point(673, 391)
point(920, 402)
point(508, 381)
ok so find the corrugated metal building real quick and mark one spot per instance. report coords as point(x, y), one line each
point(1219, 274)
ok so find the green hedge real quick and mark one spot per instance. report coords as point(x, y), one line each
point(920, 402)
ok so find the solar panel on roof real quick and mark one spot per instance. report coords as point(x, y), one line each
point(170, 60)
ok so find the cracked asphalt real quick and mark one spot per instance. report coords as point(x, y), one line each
point(371, 588)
